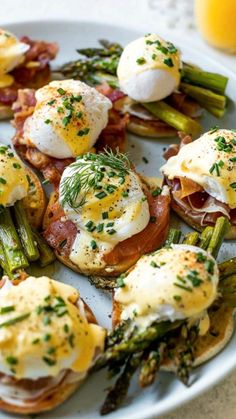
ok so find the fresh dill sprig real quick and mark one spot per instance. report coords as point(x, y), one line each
point(88, 172)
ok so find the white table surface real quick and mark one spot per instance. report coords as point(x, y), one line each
point(149, 15)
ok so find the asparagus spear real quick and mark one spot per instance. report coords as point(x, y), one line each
point(228, 290)
point(11, 244)
point(173, 237)
point(220, 229)
point(204, 96)
point(215, 82)
point(191, 238)
point(150, 365)
point(99, 77)
point(205, 237)
point(227, 268)
point(25, 232)
point(4, 264)
point(46, 254)
point(119, 391)
point(137, 342)
point(173, 117)
point(109, 48)
point(185, 357)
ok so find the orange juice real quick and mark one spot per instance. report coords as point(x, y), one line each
point(216, 21)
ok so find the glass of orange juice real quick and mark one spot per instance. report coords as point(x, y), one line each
point(216, 21)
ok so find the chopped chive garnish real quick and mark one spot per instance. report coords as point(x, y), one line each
point(47, 121)
point(171, 48)
point(209, 265)
point(156, 192)
point(61, 91)
point(3, 181)
point(101, 195)
point(216, 167)
point(14, 320)
point(16, 166)
point(71, 339)
point(6, 309)
point(12, 360)
point(47, 337)
point(200, 257)
point(90, 226)
point(233, 185)
point(51, 102)
point(153, 264)
point(145, 160)
point(120, 281)
point(66, 328)
point(168, 62)
point(125, 194)
point(100, 227)
point(79, 114)
point(82, 132)
point(111, 231)
point(35, 341)
point(104, 215)
point(93, 244)
point(77, 98)
point(140, 60)
point(45, 181)
point(214, 129)
point(111, 224)
point(177, 297)
point(51, 351)
point(233, 159)
point(49, 361)
point(183, 287)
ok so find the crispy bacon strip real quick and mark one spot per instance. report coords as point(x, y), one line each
point(41, 53)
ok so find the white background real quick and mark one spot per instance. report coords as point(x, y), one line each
point(150, 15)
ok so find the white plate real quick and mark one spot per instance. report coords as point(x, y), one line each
point(167, 393)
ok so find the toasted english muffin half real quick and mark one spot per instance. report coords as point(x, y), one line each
point(108, 271)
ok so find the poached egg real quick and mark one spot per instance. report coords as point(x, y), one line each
point(43, 330)
point(11, 55)
point(68, 118)
point(104, 198)
point(149, 69)
point(14, 183)
point(210, 161)
point(173, 283)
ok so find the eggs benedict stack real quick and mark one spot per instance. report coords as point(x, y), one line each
point(171, 311)
point(171, 284)
point(149, 69)
point(105, 216)
point(18, 183)
point(11, 54)
point(202, 179)
point(23, 63)
point(65, 122)
point(49, 339)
